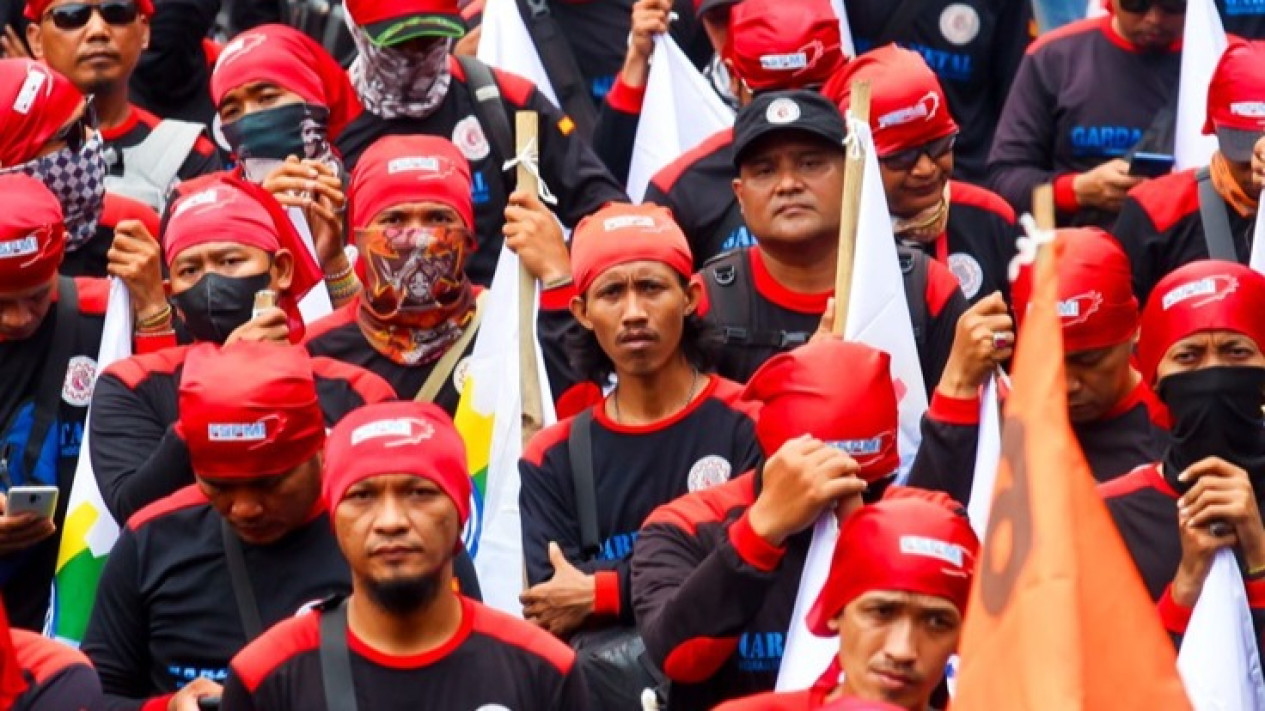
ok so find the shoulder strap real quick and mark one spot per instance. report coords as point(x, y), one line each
point(1216, 223)
point(488, 107)
point(443, 367)
point(150, 167)
point(340, 688)
point(730, 293)
point(52, 374)
point(247, 607)
point(913, 267)
point(898, 20)
point(560, 65)
point(580, 449)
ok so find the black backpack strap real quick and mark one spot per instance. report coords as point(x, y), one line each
point(244, 593)
point(1216, 222)
point(913, 268)
point(489, 108)
point(560, 65)
point(52, 375)
point(727, 278)
point(340, 688)
point(580, 449)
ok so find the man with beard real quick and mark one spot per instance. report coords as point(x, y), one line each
point(1201, 347)
point(165, 624)
point(398, 490)
point(1081, 104)
point(409, 83)
point(97, 47)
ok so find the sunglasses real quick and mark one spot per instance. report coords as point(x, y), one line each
point(1173, 7)
point(75, 134)
point(908, 158)
point(75, 15)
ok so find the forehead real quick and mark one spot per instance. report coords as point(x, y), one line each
point(210, 250)
point(1215, 337)
point(251, 89)
point(640, 269)
point(21, 294)
point(417, 207)
point(392, 480)
point(790, 142)
point(915, 602)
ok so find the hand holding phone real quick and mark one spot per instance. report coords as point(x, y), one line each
point(1150, 165)
point(39, 500)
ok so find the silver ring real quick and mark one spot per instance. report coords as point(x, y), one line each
point(1001, 341)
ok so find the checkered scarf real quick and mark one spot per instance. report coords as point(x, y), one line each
point(78, 181)
point(392, 83)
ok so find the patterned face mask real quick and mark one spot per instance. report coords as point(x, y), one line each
point(77, 178)
point(393, 82)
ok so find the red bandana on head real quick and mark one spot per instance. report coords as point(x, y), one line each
point(33, 238)
point(35, 103)
point(620, 233)
point(776, 44)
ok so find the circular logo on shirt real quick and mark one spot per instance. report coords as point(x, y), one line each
point(468, 136)
point(708, 471)
point(493, 707)
point(782, 111)
point(969, 273)
point(959, 23)
point(81, 375)
point(459, 374)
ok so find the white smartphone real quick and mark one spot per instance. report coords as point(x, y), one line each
point(40, 500)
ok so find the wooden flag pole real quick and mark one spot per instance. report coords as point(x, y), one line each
point(1043, 213)
point(527, 125)
point(853, 177)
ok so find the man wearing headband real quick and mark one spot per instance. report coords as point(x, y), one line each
point(766, 299)
point(969, 229)
point(895, 596)
point(413, 219)
point(97, 47)
point(254, 541)
point(770, 46)
point(668, 426)
point(1210, 212)
point(1201, 349)
point(1117, 420)
point(1085, 100)
point(398, 493)
point(409, 83)
point(715, 573)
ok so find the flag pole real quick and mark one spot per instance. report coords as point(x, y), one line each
point(1043, 213)
point(853, 176)
point(527, 125)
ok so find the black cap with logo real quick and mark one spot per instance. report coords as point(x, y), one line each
point(785, 111)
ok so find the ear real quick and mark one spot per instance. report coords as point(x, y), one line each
point(282, 270)
point(579, 310)
point(737, 188)
point(735, 82)
point(35, 38)
point(693, 295)
point(144, 32)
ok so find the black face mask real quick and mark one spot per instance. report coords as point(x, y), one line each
point(289, 130)
point(216, 305)
point(1216, 413)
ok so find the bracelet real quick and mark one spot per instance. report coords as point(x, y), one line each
point(169, 331)
point(340, 274)
point(162, 318)
point(342, 287)
point(558, 283)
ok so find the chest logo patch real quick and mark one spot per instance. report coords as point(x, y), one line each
point(459, 374)
point(969, 273)
point(709, 471)
point(959, 23)
point(81, 375)
point(468, 136)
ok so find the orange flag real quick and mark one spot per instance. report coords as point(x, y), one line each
point(1058, 619)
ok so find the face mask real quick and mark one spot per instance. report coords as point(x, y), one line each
point(78, 181)
point(416, 277)
point(216, 305)
point(264, 139)
point(1216, 412)
point(393, 82)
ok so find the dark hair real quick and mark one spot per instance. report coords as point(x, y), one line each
point(699, 343)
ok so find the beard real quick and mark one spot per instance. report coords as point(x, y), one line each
point(404, 596)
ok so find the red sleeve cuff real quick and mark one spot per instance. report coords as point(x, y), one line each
point(558, 299)
point(1175, 617)
point(606, 599)
point(1065, 194)
point(757, 552)
point(158, 703)
point(149, 343)
point(1255, 593)
point(626, 99)
point(954, 411)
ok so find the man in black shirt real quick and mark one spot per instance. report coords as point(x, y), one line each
point(255, 543)
point(398, 490)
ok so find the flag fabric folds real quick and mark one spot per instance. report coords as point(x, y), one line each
point(507, 45)
point(1218, 660)
point(1203, 43)
point(987, 455)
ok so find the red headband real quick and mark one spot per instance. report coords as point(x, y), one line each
point(416, 168)
point(620, 233)
point(783, 44)
point(907, 104)
point(35, 102)
point(1096, 302)
point(35, 9)
point(904, 544)
point(1236, 94)
point(249, 410)
point(397, 438)
point(1206, 295)
point(33, 237)
point(803, 393)
point(282, 55)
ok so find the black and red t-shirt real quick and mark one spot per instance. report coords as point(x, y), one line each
point(978, 242)
point(493, 661)
point(58, 678)
point(635, 470)
point(202, 159)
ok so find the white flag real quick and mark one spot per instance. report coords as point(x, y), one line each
point(1203, 42)
point(506, 44)
point(845, 29)
point(489, 417)
point(1218, 660)
point(987, 457)
point(315, 304)
point(1096, 8)
point(1257, 261)
point(680, 111)
point(878, 316)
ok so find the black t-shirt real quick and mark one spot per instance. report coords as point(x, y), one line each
point(493, 661)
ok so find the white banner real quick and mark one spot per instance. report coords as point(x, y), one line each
point(1202, 45)
point(1218, 661)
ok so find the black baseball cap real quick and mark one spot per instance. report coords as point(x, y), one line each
point(785, 111)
